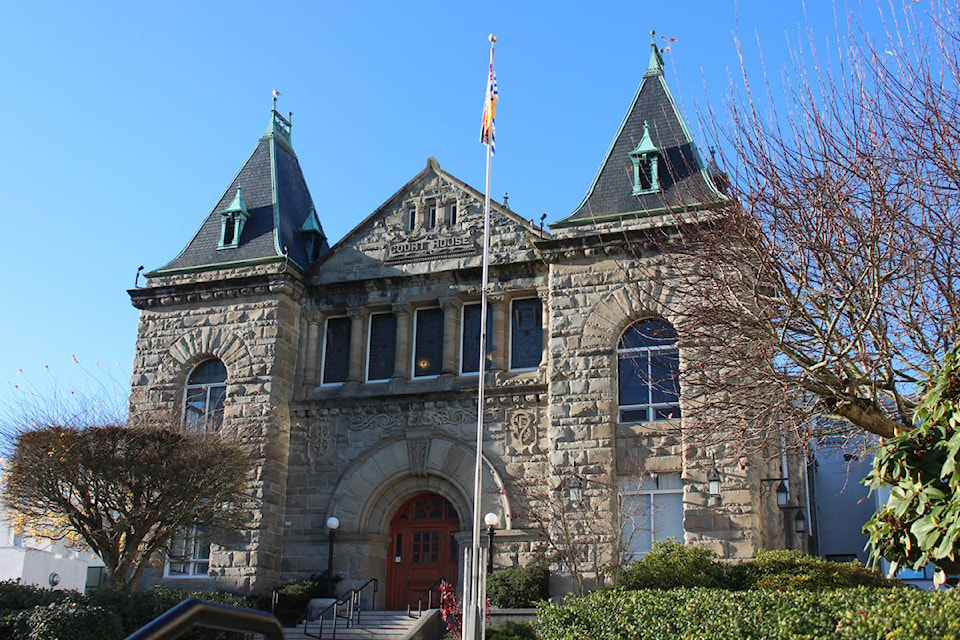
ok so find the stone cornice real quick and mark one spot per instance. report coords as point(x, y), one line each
point(230, 288)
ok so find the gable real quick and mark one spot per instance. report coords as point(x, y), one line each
point(389, 244)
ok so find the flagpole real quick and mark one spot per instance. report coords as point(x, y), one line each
point(473, 620)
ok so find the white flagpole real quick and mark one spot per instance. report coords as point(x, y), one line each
point(473, 620)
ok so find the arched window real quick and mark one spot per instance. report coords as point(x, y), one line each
point(649, 372)
point(204, 396)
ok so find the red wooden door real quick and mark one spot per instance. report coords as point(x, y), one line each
point(423, 549)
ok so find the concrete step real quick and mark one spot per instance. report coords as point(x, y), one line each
point(375, 625)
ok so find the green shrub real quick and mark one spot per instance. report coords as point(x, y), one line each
point(511, 630)
point(166, 599)
point(673, 564)
point(789, 570)
point(518, 587)
point(135, 608)
point(16, 597)
point(837, 614)
point(70, 618)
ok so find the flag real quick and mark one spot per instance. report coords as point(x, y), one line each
point(487, 132)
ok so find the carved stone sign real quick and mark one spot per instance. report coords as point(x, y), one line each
point(422, 248)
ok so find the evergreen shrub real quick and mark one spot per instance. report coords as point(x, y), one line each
point(518, 587)
point(672, 564)
point(838, 614)
point(511, 630)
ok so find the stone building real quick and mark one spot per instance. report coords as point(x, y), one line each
point(351, 371)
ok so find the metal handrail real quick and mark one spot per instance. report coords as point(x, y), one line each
point(428, 594)
point(200, 613)
point(352, 601)
point(358, 592)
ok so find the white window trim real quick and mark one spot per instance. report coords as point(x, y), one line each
point(204, 386)
point(463, 321)
point(509, 344)
point(413, 347)
point(323, 359)
point(366, 365)
point(191, 562)
point(648, 495)
point(651, 407)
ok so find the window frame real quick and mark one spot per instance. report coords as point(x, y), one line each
point(432, 217)
point(510, 337)
point(411, 218)
point(463, 336)
point(326, 348)
point(414, 344)
point(636, 491)
point(208, 388)
point(194, 537)
point(639, 354)
point(452, 214)
point(393, 344)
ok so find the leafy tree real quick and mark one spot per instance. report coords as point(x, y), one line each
point(831, 277)
point(920, 522)
point(125, 491)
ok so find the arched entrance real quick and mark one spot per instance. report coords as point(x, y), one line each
point(423, 548)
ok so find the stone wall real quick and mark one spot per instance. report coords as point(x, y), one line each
point(249, 319)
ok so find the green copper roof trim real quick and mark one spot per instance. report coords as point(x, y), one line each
point(221, 265)
point(655, 68)
point(634, 215)
point(280, 127)
point(646, 143)
point(312, 223)
point(237, 205)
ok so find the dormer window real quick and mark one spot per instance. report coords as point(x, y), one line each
point(232, 220)
point(432, 218)
point(313, 237)
point(411, 219)
point(645, 159)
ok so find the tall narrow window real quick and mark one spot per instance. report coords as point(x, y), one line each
point(382, 347)
point(411, 219)
point(336, 350)
point(470, 338)
point(652, 510)
point(432, 218)
point(452, 214)
point(189, 553)
point(649, 372)
point(526, 333)
point(428, 343)
point(204, 396)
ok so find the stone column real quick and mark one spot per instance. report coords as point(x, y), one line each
point(543, 294)
point(312, 351)
point(451, 329)
point(498, 334)
point(358, 322)
point(401, 362)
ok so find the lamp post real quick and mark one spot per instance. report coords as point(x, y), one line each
point(333, 523)
point(491, 520)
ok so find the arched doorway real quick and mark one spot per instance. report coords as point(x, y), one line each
point(423, 548)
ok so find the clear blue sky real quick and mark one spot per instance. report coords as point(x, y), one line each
point(125, 121)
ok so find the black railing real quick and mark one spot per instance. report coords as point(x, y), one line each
point(348, 607)
point(199, 613)
point(428, 594)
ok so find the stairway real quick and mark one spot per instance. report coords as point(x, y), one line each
point(380, 625)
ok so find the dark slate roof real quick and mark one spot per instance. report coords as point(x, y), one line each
point(278, 201)
point(685, 185)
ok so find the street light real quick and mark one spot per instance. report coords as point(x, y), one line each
point(491, 520)
point(333, 523)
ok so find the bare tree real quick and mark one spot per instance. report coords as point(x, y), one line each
point(830, 286)
point(125, 492)
point(563, 514)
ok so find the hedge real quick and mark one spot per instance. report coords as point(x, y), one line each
point(518, 587)
point(675, 614)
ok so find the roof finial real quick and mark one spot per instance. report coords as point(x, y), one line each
point(276, 94)
point(656, 58)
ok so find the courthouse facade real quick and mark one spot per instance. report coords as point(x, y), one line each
point(350, 371)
